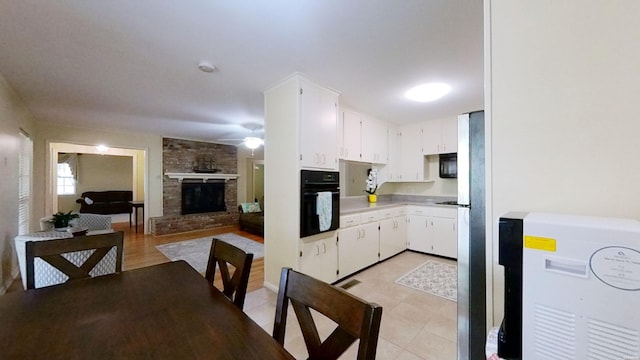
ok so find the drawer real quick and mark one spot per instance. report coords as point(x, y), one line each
point(418, 210)
point(393, 212)
point(444, 212)
point(349, 220)
point(387, 214)
point(370, 216)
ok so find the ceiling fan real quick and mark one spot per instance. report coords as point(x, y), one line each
point(252, 142)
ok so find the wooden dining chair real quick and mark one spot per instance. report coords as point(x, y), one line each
point(51, 252)
point(234, 285)
point(356, 318)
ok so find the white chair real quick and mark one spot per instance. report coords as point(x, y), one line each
point(45, 274)
point(93, 222)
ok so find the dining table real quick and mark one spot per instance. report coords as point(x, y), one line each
point(166, 311)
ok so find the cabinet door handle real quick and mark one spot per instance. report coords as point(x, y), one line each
point(324, 248)
point(317, 250)
point(324, 159)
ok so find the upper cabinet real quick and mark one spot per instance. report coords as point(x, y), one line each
point(318, 126)
point(364, 138)
point(440, 136)
point(374, 140)
point(352, 135)
point(411, 158)
point(393, 168)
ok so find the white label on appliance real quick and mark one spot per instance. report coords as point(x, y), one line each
point(617, 266)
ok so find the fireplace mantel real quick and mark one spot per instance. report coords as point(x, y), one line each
point(201, 176)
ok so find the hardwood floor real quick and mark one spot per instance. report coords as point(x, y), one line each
point(140, 251)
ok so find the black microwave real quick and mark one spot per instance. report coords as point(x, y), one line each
point(449, 166)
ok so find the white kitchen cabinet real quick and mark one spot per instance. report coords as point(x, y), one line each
point(364, 138)
point(411, 157)
point(319, 258)
point(318, 127)
point(300, 120)
point(449, 135)
point(393, 165)
point(357, 248)
point(417, 233)
point(440, 136)
point(374, 140)
point(393, 232)
point(352, 134)
point(433, 230)
point(445, 236)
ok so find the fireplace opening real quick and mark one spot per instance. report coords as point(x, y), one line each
point(199, 197)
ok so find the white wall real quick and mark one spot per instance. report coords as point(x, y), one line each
point(13, 116)
point(564, 95)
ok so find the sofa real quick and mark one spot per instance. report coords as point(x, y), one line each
point(106, 202)
point(252, 218)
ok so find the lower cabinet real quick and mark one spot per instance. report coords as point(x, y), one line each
point(357, 248)
point(433, 230)
point(393, 234)
point(445, 235)
point(418, 233)
point(319, 257)
point(371, 236)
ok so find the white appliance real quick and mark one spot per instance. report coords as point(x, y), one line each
point(572, 287)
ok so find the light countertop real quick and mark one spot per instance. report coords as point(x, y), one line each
point(355, 204)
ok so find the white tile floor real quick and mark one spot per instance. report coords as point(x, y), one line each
point(415, 324)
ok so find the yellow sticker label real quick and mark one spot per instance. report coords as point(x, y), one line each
point(540, 243)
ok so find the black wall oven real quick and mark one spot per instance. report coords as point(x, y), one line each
point(311, 184)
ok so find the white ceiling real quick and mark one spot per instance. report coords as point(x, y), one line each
point(132, 65)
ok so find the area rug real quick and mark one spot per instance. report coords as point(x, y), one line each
point(433, 277)
point(196, 251)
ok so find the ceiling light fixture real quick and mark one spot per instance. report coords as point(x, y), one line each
point(206, 66)
point(102, 148)
point(427, 92)
point(253, 142)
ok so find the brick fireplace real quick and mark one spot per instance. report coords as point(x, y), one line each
point(185, 156)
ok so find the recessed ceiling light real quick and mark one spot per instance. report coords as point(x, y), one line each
point(206, 66)
point(102, 148)
point(427, 92)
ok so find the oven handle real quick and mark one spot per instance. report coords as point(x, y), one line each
point(332, 184)
point(316, 193)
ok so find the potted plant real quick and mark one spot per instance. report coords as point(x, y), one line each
point(61, 220)
point(372, 185)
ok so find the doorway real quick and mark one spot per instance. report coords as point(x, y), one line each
point(134, 174)
point(257, 169)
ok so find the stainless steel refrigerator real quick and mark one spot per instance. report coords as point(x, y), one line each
point(471, 237)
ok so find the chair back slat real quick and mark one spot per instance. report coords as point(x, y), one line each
point(51, 251)
point(356, 319)
point(234, 284)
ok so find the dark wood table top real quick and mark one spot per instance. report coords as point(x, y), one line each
point(166, 311)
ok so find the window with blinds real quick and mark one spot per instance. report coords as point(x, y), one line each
point(25, 159)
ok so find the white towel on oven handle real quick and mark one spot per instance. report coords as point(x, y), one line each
point(324, 209)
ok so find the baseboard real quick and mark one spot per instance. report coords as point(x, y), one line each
point(270, 286)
